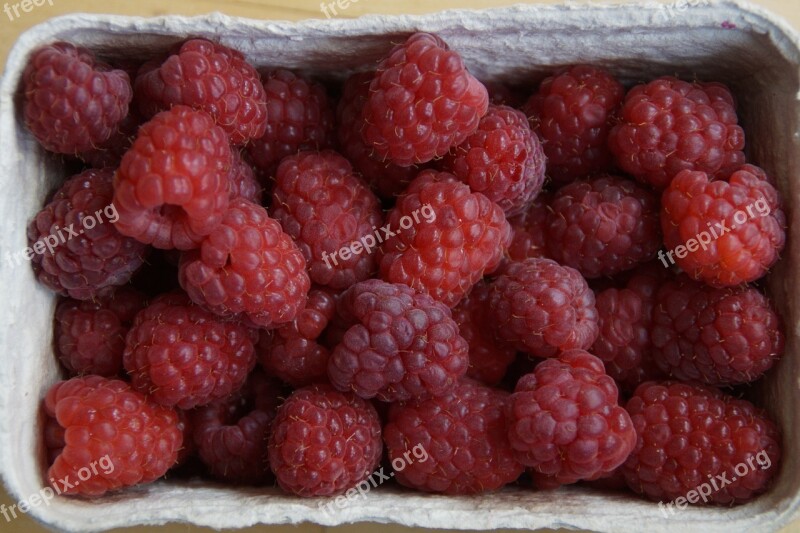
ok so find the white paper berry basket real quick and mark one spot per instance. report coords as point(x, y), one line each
point(732, 42)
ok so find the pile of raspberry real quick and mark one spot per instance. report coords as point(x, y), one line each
point(288, 288)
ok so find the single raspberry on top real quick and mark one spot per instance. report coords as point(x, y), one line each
point(454, 444)
point(72, 102)
point(324, 442)
point(693, 439)
point(565, 422)
point(572, 113)
point(171, 188)
point(669, 125)
point(211, 77)
point(724, 232)
point(104, 427)
point(422, 102)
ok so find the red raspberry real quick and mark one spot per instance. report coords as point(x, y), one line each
point(572, 113)
point(329, 213)
point(291, 352)
point(77, 249)
point(111, 152)
point(690, 436)
point(90, 335)
point(503, 160)
point(488, 359)
point(243, 181)
point(387, 179)
point(443, 238)
point(324, 442)
point(565, 422)
point(603, 226)
point(716, 336)
point(724, 232)
point(403, 345)
point(541, 307)
point(455, 444)
point(422, 102)
point(248, 268)
point(669, 125)
point(210, 77)
point(73, 102)
point(182, 355)
point(231, 434)
point(171, 189)
point(528, 229)
point(299, 118)
point(111, 436)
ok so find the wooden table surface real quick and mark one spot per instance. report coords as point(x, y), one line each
point(278, 10)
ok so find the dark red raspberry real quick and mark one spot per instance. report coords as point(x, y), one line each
point(403, 345)
point(111, 436)
point(73, 103)
point(503, 160)
point(455, 444)
point(387, 179)
point(691, 438)
point(488, 359)
point(669, 125)
point(77, 250)
point(110, 153)
point(603, 226)
point(422, 102)
point(572, 113)
point(716, 336)
point(528, 228)
point(210, 77)
point(181, 355)
point(299, 118)
point(291, 352)
point(231, 434)
point(331, 215)
point(324, 442)
point(172, 187)
point(442, 238)
point(248, 268)
point(724, 232)
point(541, 307)
point(243, 181)
point(90, 335)
point(565, 422)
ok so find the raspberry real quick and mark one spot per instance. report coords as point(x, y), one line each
point(541, 307)
point(572, 113)
point(460, 237)
point(603, 226)
point(503, 160)
point(243, 182)
point(324, 442)
point(717, 336)
point(488, 360)
point(231, 434)
point(387, 179)
point(329, 213)
point(74, 259)
point(464, 439)
point(90, 335)
point(299, 118)
point(248, 268)
point(111, 152)
point(669, 125)
point(528, 229)
point(110, 431)
point(292, 352)
point(422, 102)
point(182, 355)
point(564, 420)
point(210, 77)
point(72, 102)
point(403, 345)
point(724, 232)
point(689, 436)
point(171, 188)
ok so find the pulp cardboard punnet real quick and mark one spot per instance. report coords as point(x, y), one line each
point(733, 42)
